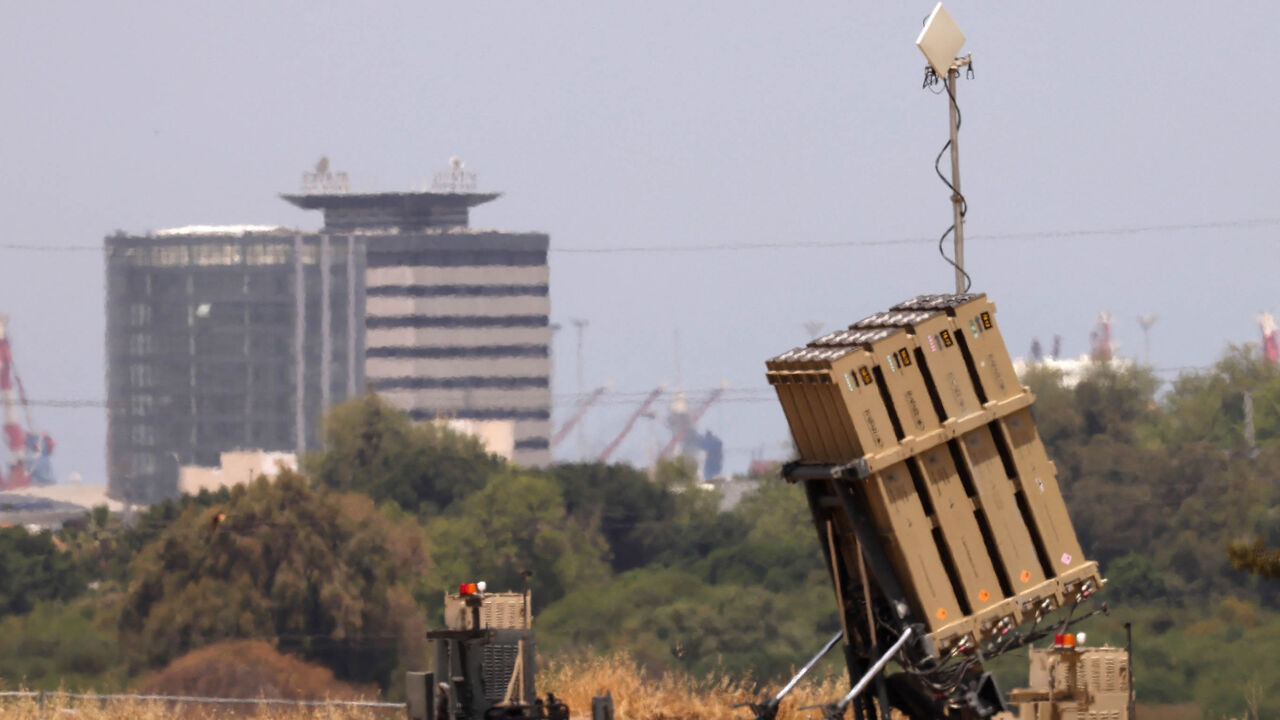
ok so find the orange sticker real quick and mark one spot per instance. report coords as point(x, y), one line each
point(983, 596)
point(942, 613)
point(1025, 576)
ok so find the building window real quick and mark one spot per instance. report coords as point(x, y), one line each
point(140, 375)
point(144, 463)
point(139, 314)
point(143, 435)
point(141, 405)
point(268, 254)
point(140, 344)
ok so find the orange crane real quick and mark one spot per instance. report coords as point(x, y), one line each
point(28, 451)
point(578, 414)
point(631, 423)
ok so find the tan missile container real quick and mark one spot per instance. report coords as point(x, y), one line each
point(919, 409)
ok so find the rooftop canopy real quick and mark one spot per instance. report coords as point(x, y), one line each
point(406, 211)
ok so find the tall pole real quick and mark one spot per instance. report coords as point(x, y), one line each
point(580, 324)
point(957, 200)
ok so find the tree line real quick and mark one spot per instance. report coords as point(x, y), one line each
point(345, 564)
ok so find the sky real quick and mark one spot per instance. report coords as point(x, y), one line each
point(1117, 157)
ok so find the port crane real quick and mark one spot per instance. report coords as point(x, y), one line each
point(29, 450)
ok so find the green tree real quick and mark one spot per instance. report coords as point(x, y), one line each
point(630, 510)
point(322, 574)
point(105, 544)
point(671, 618)
point(69, 645)
point(374, 448)
point(33, 568)
point(779, 548)
point(516, 523)
point(1209, 406)
point(1255, 558)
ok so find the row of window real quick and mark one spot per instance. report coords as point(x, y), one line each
point(471, 351)
point(458, 291)
point(213, 254)
point(457, 321)
point(472, 382)
point(423, 414)
point(456, 258)
point(222, 376)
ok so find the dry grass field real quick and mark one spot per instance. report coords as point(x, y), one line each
point(636, 695)
point(670, 697)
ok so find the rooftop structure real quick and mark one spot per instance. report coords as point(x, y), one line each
point(392, 211)
point(235, 467)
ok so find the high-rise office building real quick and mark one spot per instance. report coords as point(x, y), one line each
point(217, 338)
point(456, 318)
point(231, 337)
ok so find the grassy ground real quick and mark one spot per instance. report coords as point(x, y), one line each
point(636, 696)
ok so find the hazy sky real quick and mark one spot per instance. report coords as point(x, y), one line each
point(663, 124)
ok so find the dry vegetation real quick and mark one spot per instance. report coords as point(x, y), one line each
point(636, 695)
point(671, 697)
point(61, 707)
point(248, 669)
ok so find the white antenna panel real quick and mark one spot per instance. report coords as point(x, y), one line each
point(940, 40)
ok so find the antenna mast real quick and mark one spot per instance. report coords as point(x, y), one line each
point(940, 41)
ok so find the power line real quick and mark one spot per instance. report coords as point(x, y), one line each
point(1038, 235)
point(763, 394)
point(802, 245)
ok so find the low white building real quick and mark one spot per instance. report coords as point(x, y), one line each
point(237, 467)
point(497, 436)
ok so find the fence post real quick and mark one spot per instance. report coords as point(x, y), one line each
point(602, 707)
point(418, 694)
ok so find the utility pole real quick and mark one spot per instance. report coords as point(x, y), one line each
point(957, 199)
point(580, 325)
point(940, 40)
point(1146, 321)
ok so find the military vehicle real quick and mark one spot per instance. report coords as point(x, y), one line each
point(940, 519)
point(485, 664)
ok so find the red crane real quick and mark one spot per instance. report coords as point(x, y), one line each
point(1101, 347)
point(631, 423)
point(681, 430)
point(583, 407)
point(1270, 342)
point(28, 451)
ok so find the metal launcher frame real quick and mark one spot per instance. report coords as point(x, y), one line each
point(936, 506)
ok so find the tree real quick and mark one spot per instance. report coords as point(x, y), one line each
point(374, 448)
point(688, 624)
point(1255, 558)
point(778, 547)
point(246, 669)
point(104, 544)
point(33, 568)
point(320, 573)
point(629, 509)
point(517, 523)
point(63, 644)
point(1209, 406)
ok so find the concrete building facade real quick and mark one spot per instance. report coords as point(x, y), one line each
point(226, 337)
point(457, 320)
point(222, 337)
